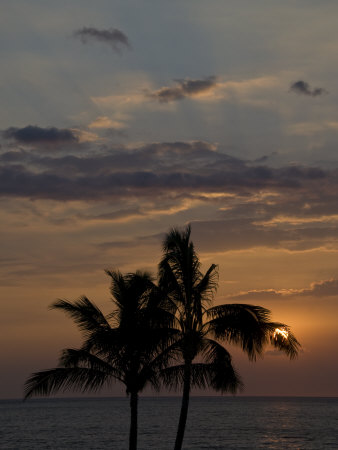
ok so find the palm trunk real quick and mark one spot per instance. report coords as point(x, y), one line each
point(133, 421)
point(184, 407)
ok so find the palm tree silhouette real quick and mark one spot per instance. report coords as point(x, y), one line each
point(128, 345)
point(201, 329)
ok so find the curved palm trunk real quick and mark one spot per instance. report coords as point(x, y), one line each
point(133, 421)
point(184, 407)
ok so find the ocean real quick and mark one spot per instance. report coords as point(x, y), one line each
point(213, 423)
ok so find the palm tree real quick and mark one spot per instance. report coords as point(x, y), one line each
point(202, 329)
point(127, 345)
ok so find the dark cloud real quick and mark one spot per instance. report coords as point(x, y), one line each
point(327, 288)
point(181, 167)
point(113, 37)
point(158, 158)
point(13, 156)
point(17, 180)
point(32, 134)
point(253, 205)
point(303, 88)
point(183, 88)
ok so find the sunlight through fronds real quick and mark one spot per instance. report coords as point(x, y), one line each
point(282, 332)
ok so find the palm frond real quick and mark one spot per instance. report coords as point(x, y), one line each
point(176, 238)
point(179, 253)
point(240, 324)
point(203, 293)
point(219, 376)
point(172, 377)
point(51, 381)
point(169, 283)
point(117, 286)
point(223, 375)
point(81, 358)
point(209, 282)
point(130, 295)
point(84, 313)
point(211, 350)
point(103, 341)
point(180, 275)
point(167, 349)
point(287, 344)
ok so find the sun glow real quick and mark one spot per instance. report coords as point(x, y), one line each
point(281, 332)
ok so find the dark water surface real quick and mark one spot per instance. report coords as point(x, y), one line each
point(213, 423)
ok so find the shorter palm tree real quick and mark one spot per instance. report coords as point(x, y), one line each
point(128, 345)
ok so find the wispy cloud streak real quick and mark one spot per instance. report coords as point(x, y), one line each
point(183, 89)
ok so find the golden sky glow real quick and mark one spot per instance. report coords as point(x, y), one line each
point(104, 146)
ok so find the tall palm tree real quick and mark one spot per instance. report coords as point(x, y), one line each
point(203, 328)
point(127, 345)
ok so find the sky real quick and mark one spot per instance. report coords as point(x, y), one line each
point(120, 120)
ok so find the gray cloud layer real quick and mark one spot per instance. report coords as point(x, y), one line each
point(183, 88)
point(113, 37)
point(181, 166)
point(247, 198)
point(303, 88)
point(32, 134)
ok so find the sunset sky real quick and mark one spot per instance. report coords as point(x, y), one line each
point(121, 119)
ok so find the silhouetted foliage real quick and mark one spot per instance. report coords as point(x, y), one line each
point(129, 345)
point(190, 293)
point(168, 335)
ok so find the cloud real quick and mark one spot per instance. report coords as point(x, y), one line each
point(248, 204)
point(311, 128)
point(253, 92)
point(183, 89)
point(327, 288)
point(160, 206)
point(33, 134)
point(264, 294)
point(105, 122)
point(236, 227)
point(181, 167)
point(84, 136)
point(234, 204)
point(303, 88)
point(113, 37)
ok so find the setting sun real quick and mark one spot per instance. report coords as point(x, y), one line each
point(282, 332)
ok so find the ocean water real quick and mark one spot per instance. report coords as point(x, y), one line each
point(213, 423)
